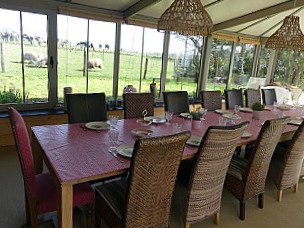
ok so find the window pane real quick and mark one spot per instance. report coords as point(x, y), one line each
point(263, 62)
point(101, 56)
point(219, 64)
point(184, 63)
point(289, 68)
point(11, 76)
point(35, 57)
point(130, 57)
point(242, 67)
point(72, 39)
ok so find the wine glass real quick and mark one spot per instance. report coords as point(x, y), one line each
point(203, 113)
point(236, 109)
point(168, 116)
point(113, 121)
point(113, 136)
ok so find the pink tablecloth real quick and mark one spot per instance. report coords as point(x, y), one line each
point(77, 154)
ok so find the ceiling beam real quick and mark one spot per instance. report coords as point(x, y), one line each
point(213, 3)
point(137, 7)
point(258, 14)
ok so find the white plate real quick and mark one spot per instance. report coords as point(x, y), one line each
point(97, 125)
point(246, 110)
point(246, 134)
point(295, 122)
point(283, 107)
point(194, 140)
point(220, 111)
point(185, 115)
point(125, 150)
point(144, 122)
point(156, 119)
point(142, 132)
point(232, 116)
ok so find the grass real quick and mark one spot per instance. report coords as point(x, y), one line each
point(70, 73)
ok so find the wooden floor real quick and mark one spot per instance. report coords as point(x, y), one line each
point(288, 213)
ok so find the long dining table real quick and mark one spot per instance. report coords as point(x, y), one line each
point(75, 155)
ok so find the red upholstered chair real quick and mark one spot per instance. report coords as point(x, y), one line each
point(40, 190)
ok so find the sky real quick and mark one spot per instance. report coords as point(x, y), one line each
point(75, 30)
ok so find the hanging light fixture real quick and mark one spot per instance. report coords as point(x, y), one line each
point(288, 36)
point(187, 17)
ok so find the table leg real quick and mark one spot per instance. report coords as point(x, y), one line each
point(65, 206)
point(37, 151)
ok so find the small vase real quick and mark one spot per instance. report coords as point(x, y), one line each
point(256, 114)
point(196, 124)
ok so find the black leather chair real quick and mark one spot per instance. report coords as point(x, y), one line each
point(176, 102)
point(234, 97)
point(86, 107)
point(269, 96)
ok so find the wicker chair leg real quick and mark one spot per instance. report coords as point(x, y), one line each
point(261, 200)
point(88, 214)
point(279, 195)
point(242, 210)
point(217, 218)
point(295, 188)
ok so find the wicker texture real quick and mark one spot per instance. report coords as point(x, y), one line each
point(289, 161)
point(211, 100)
point(233, 97)
point(186, 17)
point(252, 96)
point(210, 166)
point(288, 36)
point(176, 102)
point(269, 96)
point(151, 182)
point(135, 103)
point(253, 173)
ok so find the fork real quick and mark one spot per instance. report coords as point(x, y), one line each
point(115, 155)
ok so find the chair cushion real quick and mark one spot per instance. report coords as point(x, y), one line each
point(237, 167)
point(46, 194)
point(114, 193)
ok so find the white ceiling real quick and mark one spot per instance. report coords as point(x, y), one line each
point(222, 11)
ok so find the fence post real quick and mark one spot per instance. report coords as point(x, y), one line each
point(2, 53)
point(84, 62)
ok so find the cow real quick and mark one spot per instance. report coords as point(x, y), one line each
point(93, 63)
point(41, 62)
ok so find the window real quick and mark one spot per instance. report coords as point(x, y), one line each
point(219, 64)
point(242, 67)
point(263, 62)
point(184, 63)
point(140, 58)
point(289, 68)
point(30, 85)
point(73, 38)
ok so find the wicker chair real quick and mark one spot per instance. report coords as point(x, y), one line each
point(206, 174)
point(269, 96)
point(252, 96)
point(176, 102)
point(286, 164)
point(86, 107)
point(211, 100)
point(40, 190)
point(144, 199)
point(233, 97)
point(246, 178)
point(135, 103)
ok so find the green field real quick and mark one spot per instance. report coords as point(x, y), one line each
point(70, 73)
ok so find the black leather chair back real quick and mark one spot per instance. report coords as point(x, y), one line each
point(84, 107)
point(176, 102)
point(234, 97)
point(269, 96)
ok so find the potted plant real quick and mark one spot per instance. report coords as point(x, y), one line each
point(257, 108)
point(197, 116)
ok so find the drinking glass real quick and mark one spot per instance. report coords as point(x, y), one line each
point(113, 121)
point(113, 136)
point(177, 127)
point(236, 109)
point(222, 121)
point(204, 113)
point(168, 116)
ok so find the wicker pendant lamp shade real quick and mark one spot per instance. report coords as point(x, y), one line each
point(187, 17)
point(288, 36)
